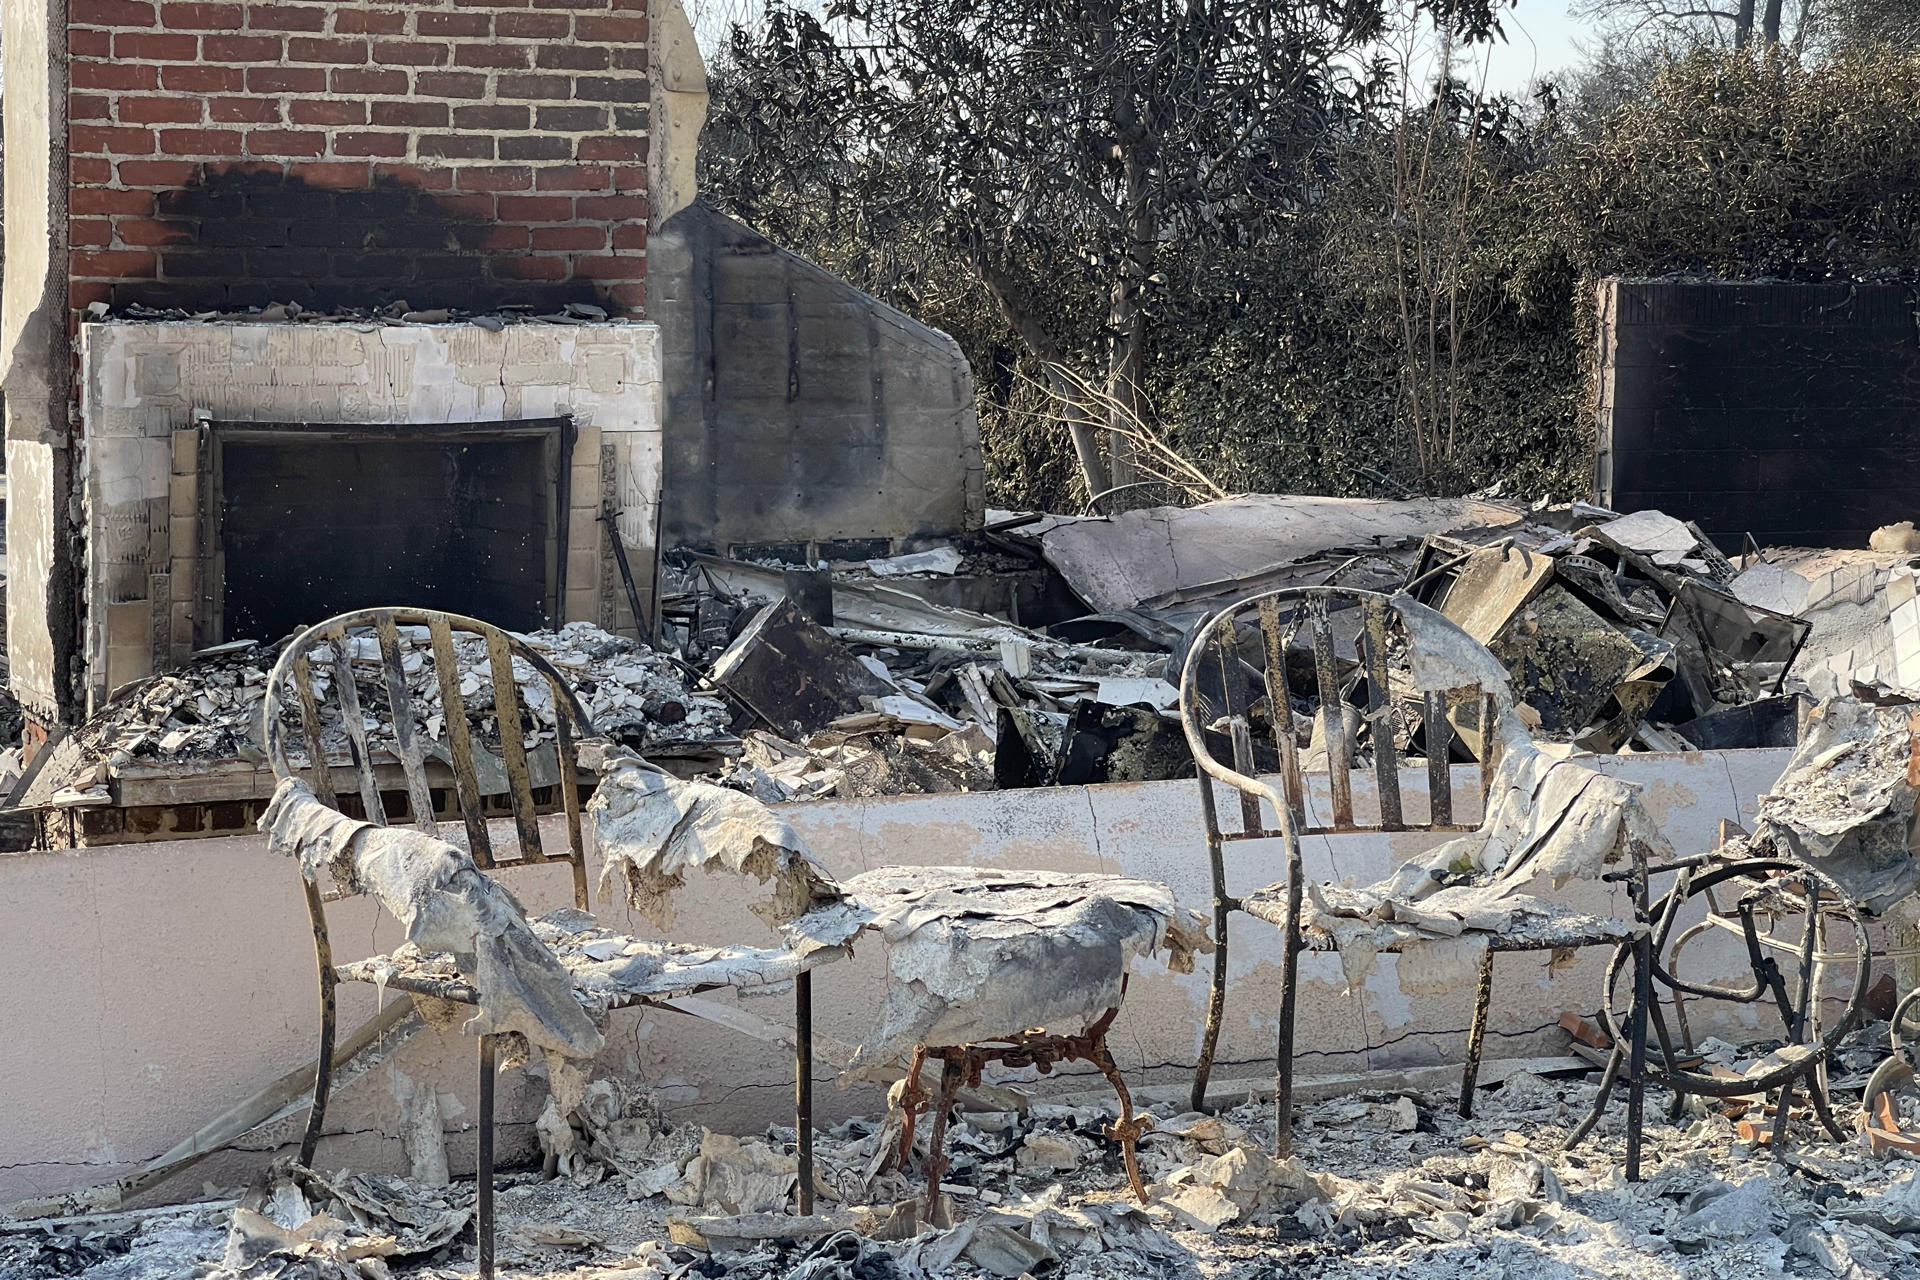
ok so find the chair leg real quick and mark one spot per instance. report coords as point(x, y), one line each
point(1637, 1052)
point(1217, 988)
point(1476, 1036)
point(803, 1087)
point(329, 1025)
point(1601, 1097)
point(1216, 1009)
point(950, 1077)
point(912, 1099)
point(1283, 1046)
point(483, 1226)
point(1126, 1130)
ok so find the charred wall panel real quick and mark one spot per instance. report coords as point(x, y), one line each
point(1788, 411)
point(798, 409)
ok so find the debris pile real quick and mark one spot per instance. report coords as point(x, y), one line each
point(397, 312)
point(1629, 632)
point(1384, 1179)
point(210, 710)
point(1623, 632)
point(1046, 651)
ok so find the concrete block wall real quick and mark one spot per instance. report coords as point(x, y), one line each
point(1788, 411)
point(800, 410)
point(344, 153)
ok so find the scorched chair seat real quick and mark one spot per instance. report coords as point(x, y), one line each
point(1020, 968)
point(670, 971)
point(1451, 699)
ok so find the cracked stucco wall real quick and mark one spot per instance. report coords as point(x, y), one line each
point(173, 979)
point(142, 382)
point(35, 359)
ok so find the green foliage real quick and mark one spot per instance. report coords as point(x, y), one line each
point(1424, 320)
point(1749, 166)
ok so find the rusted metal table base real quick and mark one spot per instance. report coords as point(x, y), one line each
point(961, 1066)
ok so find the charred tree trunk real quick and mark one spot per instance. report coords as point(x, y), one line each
point(1070, 404)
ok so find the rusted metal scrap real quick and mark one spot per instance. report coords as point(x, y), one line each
point(961, 1066)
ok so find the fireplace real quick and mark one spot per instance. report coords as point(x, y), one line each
point(244, 478)
point(306, 520)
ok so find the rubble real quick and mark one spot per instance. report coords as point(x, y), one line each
point(209, 711)
point(868, 677)
point(392, 313)
point(1845, 803)
point(1365, 1195)
point(1615, 631)
point(791, 674)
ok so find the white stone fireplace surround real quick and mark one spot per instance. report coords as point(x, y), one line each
point(149, 389)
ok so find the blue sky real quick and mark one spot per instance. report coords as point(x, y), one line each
point(1540, 41)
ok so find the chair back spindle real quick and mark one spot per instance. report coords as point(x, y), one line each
point(459, 745)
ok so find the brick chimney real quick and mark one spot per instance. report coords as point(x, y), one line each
point(217, 156)
point(225, 155)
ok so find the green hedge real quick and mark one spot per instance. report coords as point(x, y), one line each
point(1284, 366)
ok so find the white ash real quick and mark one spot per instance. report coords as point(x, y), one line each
point(1364, 1197)
point(211, 709)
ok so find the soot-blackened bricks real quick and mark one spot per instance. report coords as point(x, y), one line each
point(227, 155)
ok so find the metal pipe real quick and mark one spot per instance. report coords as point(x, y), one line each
point(803, 1086)
point(483, 1225)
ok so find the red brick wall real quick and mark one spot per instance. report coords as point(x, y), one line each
point(465, 153)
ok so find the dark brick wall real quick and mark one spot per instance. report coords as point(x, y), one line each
point(467, 153)
point(1788, 411)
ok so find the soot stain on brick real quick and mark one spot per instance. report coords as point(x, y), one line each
point(250, 237)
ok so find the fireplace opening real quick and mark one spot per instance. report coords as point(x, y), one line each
point(304, 522)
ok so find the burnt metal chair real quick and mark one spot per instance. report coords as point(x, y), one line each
point(1770, 890)
point(675, 971)
point(1831, 852)
point(1411, 670)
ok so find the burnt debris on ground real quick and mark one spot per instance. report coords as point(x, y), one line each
point(1386, 1180)
point(1046, 651)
